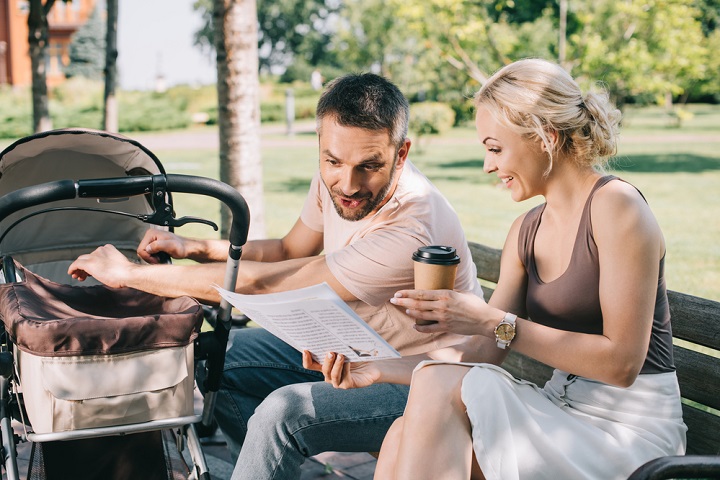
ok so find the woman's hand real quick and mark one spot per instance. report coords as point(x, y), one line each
point(342, 374)
point(461, 313)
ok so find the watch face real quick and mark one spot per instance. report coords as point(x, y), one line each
point(505, 332)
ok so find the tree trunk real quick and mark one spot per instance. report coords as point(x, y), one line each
point(110, 111)
point(238, 85)
point(38, 41)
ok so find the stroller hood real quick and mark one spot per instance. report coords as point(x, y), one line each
point(48, 243)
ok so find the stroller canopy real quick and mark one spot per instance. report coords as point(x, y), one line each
point(48, 243)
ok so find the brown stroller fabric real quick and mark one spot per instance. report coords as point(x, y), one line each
point(49, 319)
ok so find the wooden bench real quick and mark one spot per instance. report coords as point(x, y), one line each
point(696, 331)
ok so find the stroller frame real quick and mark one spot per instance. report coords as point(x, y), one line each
point(209, 346)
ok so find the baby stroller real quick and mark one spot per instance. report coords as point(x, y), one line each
point(89, 369)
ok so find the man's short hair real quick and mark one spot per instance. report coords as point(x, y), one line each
point(366, 101)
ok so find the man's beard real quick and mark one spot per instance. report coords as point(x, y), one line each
point(370, 205)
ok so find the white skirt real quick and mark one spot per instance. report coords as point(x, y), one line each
point(573, 428)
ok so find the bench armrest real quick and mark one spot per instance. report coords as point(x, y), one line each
point(680, 466)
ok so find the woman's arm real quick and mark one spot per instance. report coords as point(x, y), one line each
point(630, 246)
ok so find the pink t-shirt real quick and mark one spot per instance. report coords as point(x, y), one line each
point(372, 258)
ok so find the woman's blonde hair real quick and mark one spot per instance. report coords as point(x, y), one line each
point(535, 97)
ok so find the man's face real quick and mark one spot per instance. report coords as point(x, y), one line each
point(360, 168)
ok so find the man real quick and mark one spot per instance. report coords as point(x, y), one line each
point(368, 209)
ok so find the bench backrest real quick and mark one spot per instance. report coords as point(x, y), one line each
point(696, 334)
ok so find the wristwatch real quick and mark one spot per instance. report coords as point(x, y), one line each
point(505, 331)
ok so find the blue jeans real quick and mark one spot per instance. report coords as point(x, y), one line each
point(276, 413)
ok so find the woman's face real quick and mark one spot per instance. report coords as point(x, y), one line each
point(517, 162)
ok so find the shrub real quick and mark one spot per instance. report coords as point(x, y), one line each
point(78, 103)
point(464, 111)
point(145, 111)
point(15, 113)
point(430, 118)
point(16, 125)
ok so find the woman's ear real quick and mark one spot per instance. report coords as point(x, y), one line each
point(552, 136)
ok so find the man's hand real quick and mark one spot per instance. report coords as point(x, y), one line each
point(342, 374)
point(106, 264)
point(156, 241)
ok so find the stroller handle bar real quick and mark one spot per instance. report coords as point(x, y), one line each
point(131, 186)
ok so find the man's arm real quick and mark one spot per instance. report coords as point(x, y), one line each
point(301, 241)
point(273, 266)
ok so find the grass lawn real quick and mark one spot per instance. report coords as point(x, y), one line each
point(677, 169)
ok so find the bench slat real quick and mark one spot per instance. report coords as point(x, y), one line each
point(698, 376)
point(487, 261)
point(527, 368)
point(695, 319)
point(703, 428)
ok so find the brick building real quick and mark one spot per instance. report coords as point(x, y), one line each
point(64, 19)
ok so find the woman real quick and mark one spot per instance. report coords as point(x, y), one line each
point(587, 267)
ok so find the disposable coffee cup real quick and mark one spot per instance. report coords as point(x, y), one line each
point(435, 269)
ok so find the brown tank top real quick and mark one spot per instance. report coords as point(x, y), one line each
point(572, 301)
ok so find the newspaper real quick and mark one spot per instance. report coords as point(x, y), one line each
point(314, 319)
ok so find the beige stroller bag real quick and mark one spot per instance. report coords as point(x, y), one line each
point(91, 357)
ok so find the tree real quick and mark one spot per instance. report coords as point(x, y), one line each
point(110, 109)
point(650, 49)
point(238, 85)
point(290, 31)
point(87, 48)
point(38, 41)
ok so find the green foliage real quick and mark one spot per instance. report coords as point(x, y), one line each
point(640, 47)
point(144, 111)
point(443, 50)
point(87, 49)
point(464, 111)
point(288, 31)
point(196, 99)
point(205, 36)
point(15, 113)
point(710, 85)
point(429, 118)
point(78, 102)
point(680, 115)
